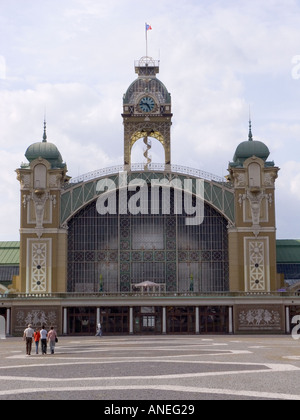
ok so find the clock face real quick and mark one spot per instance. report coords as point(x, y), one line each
point(147, 104)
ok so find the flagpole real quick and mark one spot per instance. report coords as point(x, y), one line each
point(147, 27)
point(146, 39)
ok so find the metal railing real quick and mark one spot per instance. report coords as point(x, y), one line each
point(107, 295)
point(138, 167)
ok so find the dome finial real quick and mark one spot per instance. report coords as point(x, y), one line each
point(45, 134)
point(250, 137)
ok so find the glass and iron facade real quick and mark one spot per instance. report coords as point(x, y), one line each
point(114, 253)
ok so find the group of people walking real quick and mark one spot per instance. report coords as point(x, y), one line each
point(40, 335)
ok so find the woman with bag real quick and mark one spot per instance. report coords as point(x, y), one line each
point(52, 339)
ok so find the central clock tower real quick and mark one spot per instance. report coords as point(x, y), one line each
point(147, 111)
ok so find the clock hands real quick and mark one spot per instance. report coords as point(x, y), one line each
point(147, 104)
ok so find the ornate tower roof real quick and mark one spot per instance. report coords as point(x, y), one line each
point(45, 150)
point(147, 82)
point(147, 111)
point(250, 148)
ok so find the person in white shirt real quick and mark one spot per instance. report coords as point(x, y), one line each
point(99, 330)
point(44, 333)
point(28, 336)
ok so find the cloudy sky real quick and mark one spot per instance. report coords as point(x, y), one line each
point(75, 59)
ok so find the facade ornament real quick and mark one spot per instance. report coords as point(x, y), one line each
point(65, 226)
point(230, 225)
point(242, 197)
point(39, 199)
point(269, 178)
point(24, 181)
point(239, 180)
point(26, 199)
point(269, 198)
point(255, 200)
point(39, 204)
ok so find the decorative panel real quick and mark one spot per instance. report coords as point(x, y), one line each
point(38, 275)
point(257, 275)
point(259, 318)
point(37, 316)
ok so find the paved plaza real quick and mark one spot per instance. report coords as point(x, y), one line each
point(152, 368)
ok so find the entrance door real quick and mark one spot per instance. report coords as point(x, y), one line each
point(181, 320)
point(213, 319)
point(147, 320)
point(115, 320)
point(82, 320)
point(148, 323)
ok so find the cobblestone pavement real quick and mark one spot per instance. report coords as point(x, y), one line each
point(152, 368)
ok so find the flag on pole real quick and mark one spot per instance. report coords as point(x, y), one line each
point(147, 28)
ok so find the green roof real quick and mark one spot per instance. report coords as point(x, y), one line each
point(46, 151)
point(248, 148)
point(288, 250)
point(9, 253)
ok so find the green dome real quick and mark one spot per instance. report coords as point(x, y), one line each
point(250, 148)
point(46, 151)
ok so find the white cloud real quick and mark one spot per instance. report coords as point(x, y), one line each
point(75, 58)
point(288, 183)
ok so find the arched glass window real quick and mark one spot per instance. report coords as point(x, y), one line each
point(115, 252)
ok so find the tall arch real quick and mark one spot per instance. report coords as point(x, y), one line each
point(113, 252)
point(159, 130)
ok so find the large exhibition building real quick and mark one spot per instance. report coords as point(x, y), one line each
point(149, 248)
